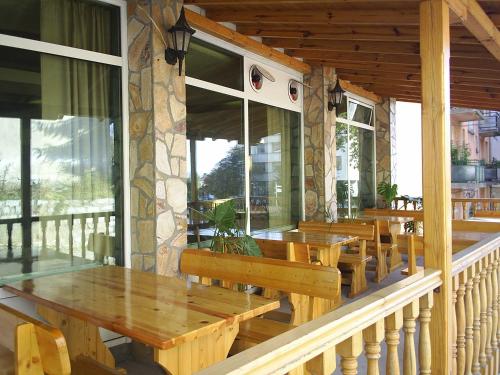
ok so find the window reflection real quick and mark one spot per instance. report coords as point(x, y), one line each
point(275, 172)
point(215, 156)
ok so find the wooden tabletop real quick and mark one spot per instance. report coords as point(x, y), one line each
point(484, 219)
point(318, 239)
point(390, 219)
point(156, 310)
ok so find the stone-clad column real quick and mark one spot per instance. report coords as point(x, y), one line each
point(385, 123)
point(157, 140)
point(319, 145)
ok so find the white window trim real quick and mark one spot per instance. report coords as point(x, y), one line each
point(247, 96)
point(120, 61)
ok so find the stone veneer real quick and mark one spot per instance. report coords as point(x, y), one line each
point(385, 113)
point(319, 145)
point(157, 140)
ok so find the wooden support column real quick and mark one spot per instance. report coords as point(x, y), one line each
point(435, 55)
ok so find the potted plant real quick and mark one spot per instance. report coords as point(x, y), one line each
point(388, 192)
point(490, 171)
point(461, 170)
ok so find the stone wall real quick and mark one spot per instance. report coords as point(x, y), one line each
point(157, 140)
point(383, 144)
point(319, 145)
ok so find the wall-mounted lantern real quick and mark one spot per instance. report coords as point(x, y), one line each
point(335, 96)
point(180, 34)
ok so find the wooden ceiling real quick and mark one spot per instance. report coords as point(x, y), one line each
point(373, 44)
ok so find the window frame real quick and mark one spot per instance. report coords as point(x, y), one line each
point(120, 61)
point(249, 94)
point(373, 128)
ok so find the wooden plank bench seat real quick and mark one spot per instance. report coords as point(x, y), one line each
point(352, 265)
point(306, 284)
point(29, 346)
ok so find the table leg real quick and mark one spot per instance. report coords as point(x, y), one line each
point(395, 259)
point(81, 336)
point(189, 357)
point(329, 256)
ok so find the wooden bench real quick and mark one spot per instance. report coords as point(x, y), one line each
point(304, 282)
point(30, 346)
point(355, 264)
point(475, 226)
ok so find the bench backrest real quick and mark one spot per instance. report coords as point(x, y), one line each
point(487, 213)
point(290, 277)
point(474, 226)
point(364, 232)
point(417, 215)
point(284, 250)
point(39, 348)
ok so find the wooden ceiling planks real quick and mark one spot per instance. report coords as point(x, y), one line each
point(373, 44)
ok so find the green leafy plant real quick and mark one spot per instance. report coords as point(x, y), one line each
point(460, 154)
point(228, 236)
point(388, 192)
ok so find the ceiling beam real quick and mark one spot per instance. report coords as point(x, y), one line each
point(478, 23)
point(213, 28)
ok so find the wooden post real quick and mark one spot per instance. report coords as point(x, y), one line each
point(435, 55)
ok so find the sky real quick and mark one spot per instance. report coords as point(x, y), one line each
point(409, 149)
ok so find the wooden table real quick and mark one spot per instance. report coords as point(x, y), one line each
point(328, 244)
point(395, 223)
point(469, 238)
point(190, 326)
point(484, 219)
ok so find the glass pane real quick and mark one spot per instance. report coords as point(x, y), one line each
point(215, 156)
point(360, 113)
point(68, 117)
point(361, 173)
point(342, 108)
point(275, 173)
point(214, 64)
point(342, 166)
point(84, 24)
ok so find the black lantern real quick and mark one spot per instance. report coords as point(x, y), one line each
point(335, 96)
point(181, 34)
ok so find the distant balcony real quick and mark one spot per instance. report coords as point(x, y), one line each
point(490, 125)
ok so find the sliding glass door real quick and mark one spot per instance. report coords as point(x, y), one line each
point(61, 188)
point(355, 137)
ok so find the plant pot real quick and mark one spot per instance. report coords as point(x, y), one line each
point(490, 174)
point(463, 173)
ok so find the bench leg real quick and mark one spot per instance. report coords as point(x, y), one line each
point(358, 280)
point(82, 337)
point(199, 353)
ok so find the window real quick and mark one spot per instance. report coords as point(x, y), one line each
point(61, 188)
point(239, 148)
point(355, 157)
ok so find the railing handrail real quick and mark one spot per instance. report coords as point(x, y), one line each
point(477, 200)
point(290, 349)
point(58, 217)
point(465, 258)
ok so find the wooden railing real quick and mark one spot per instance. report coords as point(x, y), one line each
point(344, 331)
point(476, 298)
point(464, 208)
point(82, 219)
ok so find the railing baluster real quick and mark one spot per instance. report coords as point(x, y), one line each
point(107, 220)
point(489, 311)
point(494, 308)
point(393, 324)
point(10, 253)
point(464, 210)
point(469, 321)
point(476, 298)
point(424, 345)
point(83, 224)
point(496, 331)
point(57, 225)
point(410, 314)
point(484, 315)
point(70, 235)
point(454, 327)
point(373, 336)
point(349, 351)
point(460, 312)
point(43, 225)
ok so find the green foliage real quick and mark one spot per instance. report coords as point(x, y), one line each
point(460, 154)
point(228, 237)
point(388, 192)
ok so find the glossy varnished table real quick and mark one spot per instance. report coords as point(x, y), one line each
point(328, 244)
point(190, 326)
